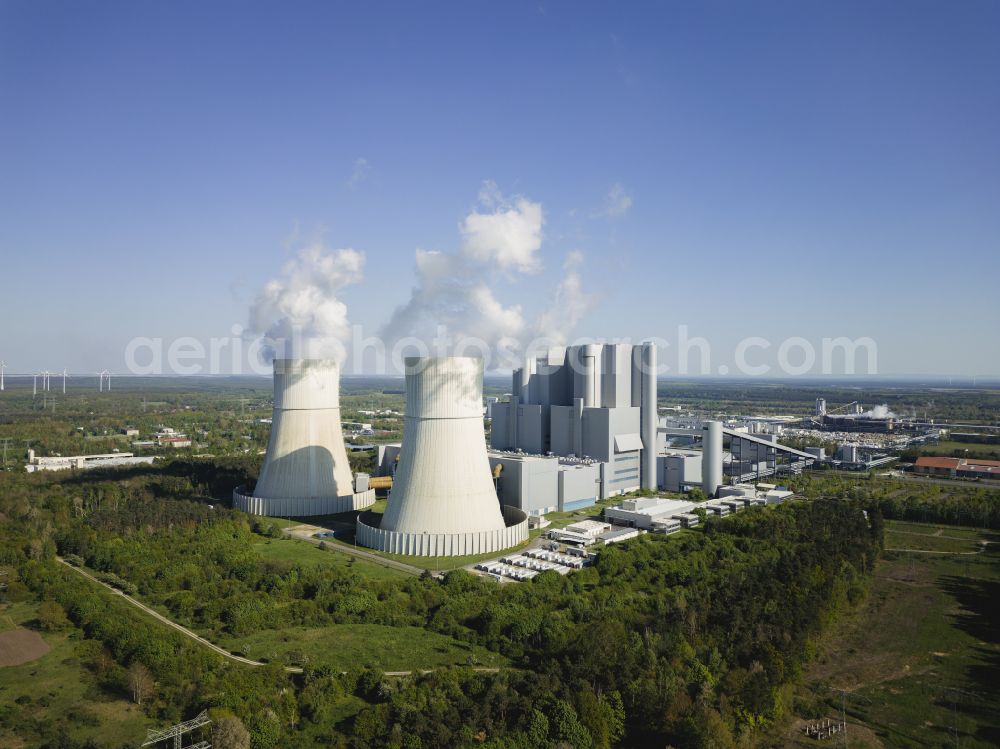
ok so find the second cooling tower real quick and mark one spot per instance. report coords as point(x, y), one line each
point(305, 470)
point(443, 502)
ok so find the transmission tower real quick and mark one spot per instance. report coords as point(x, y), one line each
point(175, 734)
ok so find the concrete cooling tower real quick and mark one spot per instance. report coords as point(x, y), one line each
point(305, 471)
point(443, 502)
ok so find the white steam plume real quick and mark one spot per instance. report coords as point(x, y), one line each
point(299, 313)
point(453, 297)
point(452, 293)
point(508, 237)
point(568, 306)
point(879, 412)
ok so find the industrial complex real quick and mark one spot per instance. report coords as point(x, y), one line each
point(581, 424)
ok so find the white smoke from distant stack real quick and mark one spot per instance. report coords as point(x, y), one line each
point(879, 412)
point(569, 304)
point(299, 313)
point(501, 240)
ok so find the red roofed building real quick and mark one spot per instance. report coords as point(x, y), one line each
point(957, 467)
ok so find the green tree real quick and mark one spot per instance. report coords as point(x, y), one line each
point(52, 616)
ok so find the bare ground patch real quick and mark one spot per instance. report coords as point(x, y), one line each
point(19, 646)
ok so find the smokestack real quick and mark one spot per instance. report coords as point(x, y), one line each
point(711, 457)
point(305, 470)
point(443, 502)
point(648, 414)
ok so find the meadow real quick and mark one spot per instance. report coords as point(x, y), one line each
point(918, 660)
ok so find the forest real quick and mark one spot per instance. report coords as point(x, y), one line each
point(688, 641)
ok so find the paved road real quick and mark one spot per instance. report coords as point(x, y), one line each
point(211, 645)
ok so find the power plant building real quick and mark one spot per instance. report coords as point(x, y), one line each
point(593, 406)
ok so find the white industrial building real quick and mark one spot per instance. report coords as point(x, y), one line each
point(443, 501)
point(648, 513)
point(659, 515)
point(305, 469)
point(680, 469)
point(83, 462)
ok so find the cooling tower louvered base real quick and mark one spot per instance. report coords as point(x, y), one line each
point(301, 506)
point(443, 544)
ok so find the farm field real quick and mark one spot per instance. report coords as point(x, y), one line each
point(919, 661)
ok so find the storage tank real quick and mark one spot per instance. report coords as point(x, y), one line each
point(711, 457)
point(443, 501)
point(305, 471)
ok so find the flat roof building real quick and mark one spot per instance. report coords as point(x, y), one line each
point(644, 513)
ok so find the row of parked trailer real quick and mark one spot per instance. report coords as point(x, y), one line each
point(500, 570)
point(526, 565)
point(573, 561)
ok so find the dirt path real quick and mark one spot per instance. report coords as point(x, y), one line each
point(211, 645)
point(180, 628)
point(980, 550)
point(937, 534)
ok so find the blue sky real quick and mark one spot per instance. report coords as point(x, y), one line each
point(792, 168)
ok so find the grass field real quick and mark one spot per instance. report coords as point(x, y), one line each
point(58, 695)
point(302, 552)
point(348, 646)
point(928, 627)
point(962, 449)
point(926, 537)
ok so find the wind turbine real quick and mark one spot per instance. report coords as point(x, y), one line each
point(34, 385)
point(45, 379)
point(101, 376)
point(3, 366)
point(64, 380)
